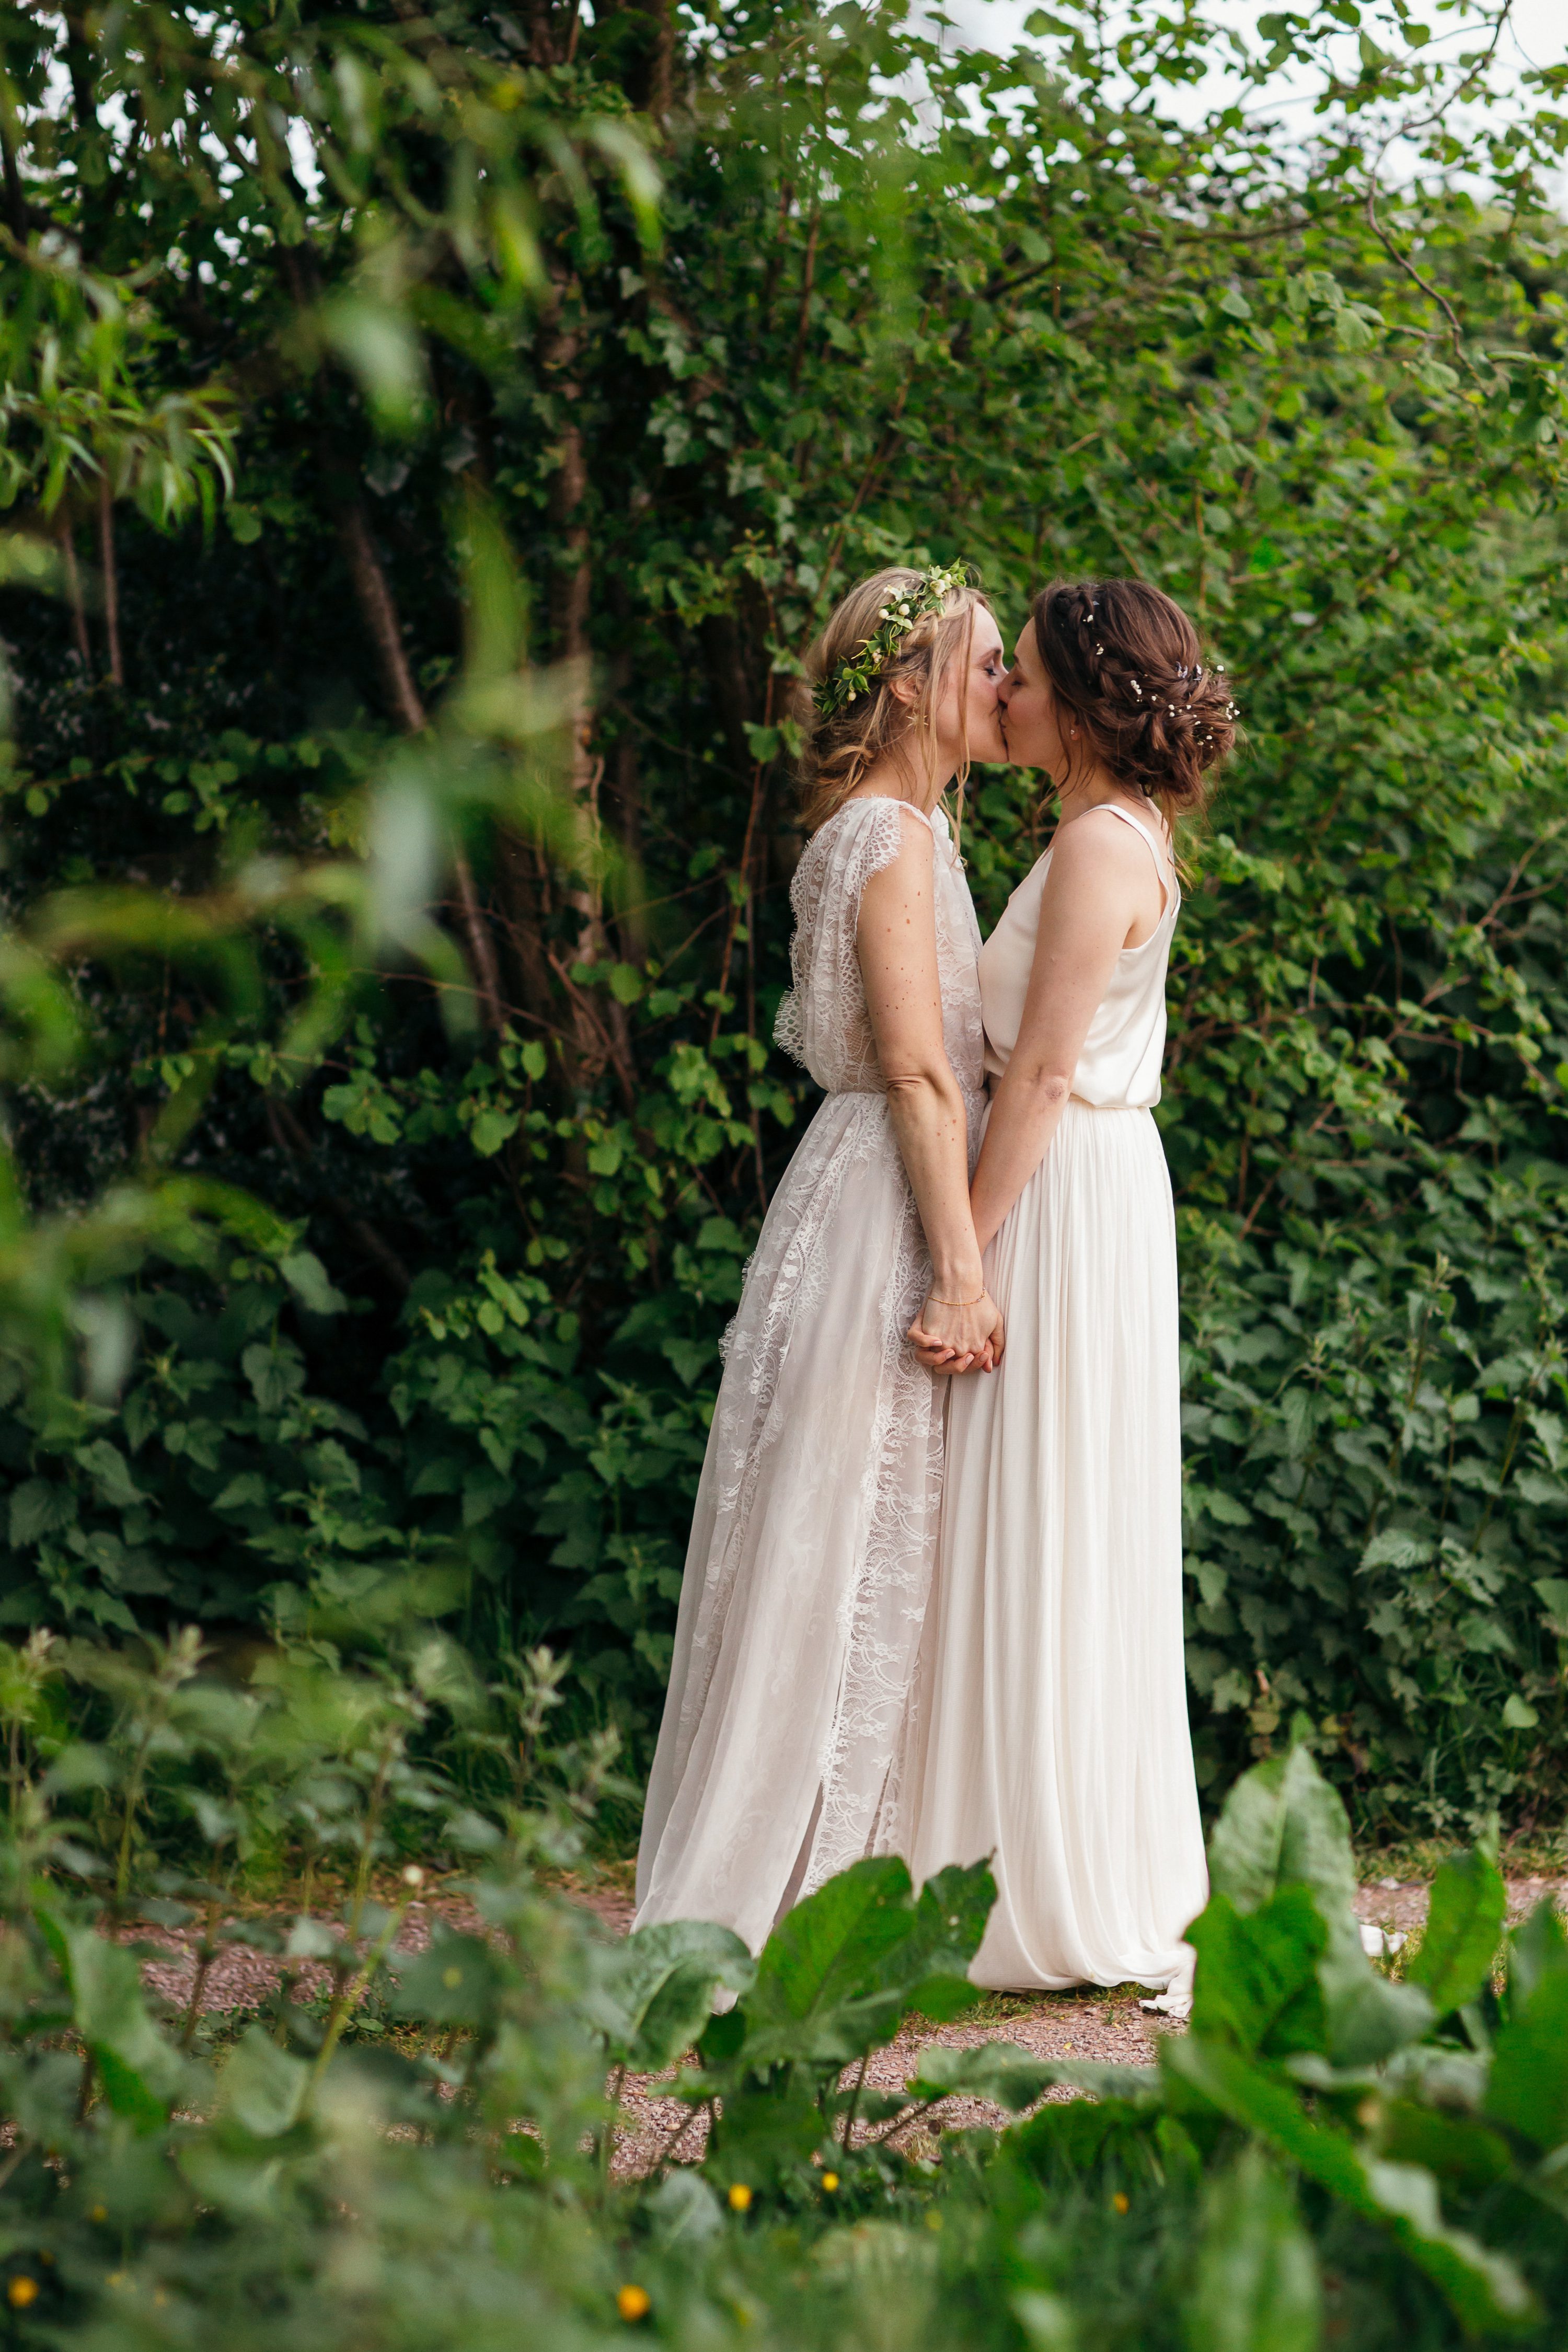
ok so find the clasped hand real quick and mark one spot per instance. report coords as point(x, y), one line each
point(967, 1339)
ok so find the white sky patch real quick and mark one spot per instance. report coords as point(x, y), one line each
point(1535, 36)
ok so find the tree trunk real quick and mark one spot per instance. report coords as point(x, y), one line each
point(624, 776)
point(110, 576)
point(73, 591)
point(598, 1030)
point(380, 614)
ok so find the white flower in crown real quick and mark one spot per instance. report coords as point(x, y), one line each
point(850, 677)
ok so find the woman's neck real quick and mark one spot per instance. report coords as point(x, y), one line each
point(1092, 790)
point(891, 779)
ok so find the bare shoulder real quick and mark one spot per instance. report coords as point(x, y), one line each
point(1091, 845)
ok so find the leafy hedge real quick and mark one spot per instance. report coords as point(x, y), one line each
point(480, 393)
point(422, 2152)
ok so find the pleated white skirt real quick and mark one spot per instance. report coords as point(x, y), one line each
point(1053, 1714)
point(781, 1758)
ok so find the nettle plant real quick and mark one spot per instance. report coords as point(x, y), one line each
point(430, 2146)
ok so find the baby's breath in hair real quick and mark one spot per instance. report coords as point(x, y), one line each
point(1124, 662)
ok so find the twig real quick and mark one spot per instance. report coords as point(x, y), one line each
point(679, 2134)
point(854, 2102)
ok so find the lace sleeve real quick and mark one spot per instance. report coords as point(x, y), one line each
point(821, 1017)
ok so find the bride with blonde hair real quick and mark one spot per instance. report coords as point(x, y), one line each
point(781, 1759)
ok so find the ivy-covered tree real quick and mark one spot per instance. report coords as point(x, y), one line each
point(566, 367)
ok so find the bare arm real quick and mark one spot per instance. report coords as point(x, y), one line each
point(896, 939)
point(1097, 889)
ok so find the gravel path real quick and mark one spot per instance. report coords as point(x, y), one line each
point(1109, 2027)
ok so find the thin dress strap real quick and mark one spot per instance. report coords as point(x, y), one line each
point(1167, 883)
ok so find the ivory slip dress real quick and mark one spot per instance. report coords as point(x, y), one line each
point(1054, 1735)
point(781, 1755)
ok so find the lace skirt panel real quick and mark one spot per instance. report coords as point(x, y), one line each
point(812, 1550)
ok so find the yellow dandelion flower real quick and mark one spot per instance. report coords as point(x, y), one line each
point(22, 2292)
point(1121, 2200)
point(634, 2302)
point(739, 2198)
point(831, 2181)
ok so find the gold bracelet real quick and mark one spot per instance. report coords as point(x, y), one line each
point(932, 1301)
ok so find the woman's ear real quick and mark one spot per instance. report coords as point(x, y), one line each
point(905, 689)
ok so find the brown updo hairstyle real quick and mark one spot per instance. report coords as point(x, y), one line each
point(840, 749)
point(1125, 662)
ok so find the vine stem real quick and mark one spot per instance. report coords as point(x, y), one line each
point(347, 1996)
point(207, 1953)
point(854, 2102)
point(681, 2128)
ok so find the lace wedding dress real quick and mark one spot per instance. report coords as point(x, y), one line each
point(1054, 1690)
point(780, 1759)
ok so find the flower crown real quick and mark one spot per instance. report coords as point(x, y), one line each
point(852, 673)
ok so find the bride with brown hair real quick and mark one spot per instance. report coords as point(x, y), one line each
point(781, 1753)
point(1055, 1715)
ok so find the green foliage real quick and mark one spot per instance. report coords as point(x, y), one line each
point(618, 347)
point(426, 2148)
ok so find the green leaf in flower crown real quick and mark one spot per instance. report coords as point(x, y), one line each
point(1464, 1929)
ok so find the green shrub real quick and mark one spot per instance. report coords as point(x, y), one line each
point(422, 2153)
point(478, 405)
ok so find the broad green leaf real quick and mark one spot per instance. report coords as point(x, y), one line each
point(1464, 1929)
point(1283, 1825)
point(111, 1474)
point(1528, 2091)
point(1484, 2288)
point(651, 1995)
point(1069, 2137)
point(307, 1277)
point(1257, 1985)
point(1453, 2147)
point(1257, 2288)
point(1537, 1948)
point(841, 1969)
point(764, 2135)
point(139, 2071)
point(262, 2086)
point(1002, 2072)
point(1367, 2017)
point(455, 1981)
